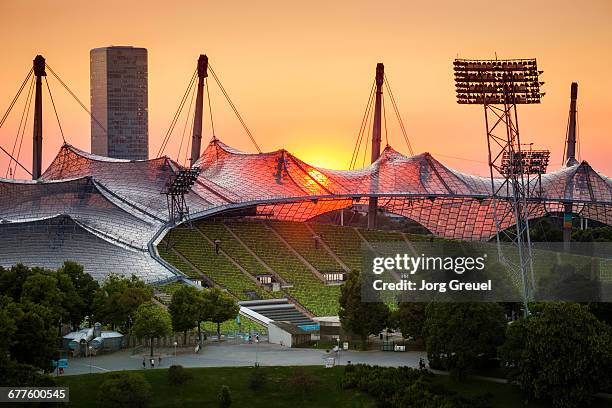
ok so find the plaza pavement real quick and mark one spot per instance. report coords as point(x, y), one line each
point(244, 355)
point(237, 355)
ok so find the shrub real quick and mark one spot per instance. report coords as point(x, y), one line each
point(225, 398)
point(424, 395)
point(24, 375)
point(177, 375)
point(301, 381)
point(124, 390)
point(257, 379)
point(405, 387)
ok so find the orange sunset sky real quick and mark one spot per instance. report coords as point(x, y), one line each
point(300, 72)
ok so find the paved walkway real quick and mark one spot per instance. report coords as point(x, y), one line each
point(242, 355)
point(237, 355)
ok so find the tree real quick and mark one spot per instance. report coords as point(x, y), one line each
point(458, 335)
point(566, 282)
point(225, 397)
point(11, 280)
point(601, 234)
point(84, 284)
point(410, 319)
point(203, 312)
point(152, 321)
point(72, 304)
point(359, 317)
point(116, 301)
point(124, 390)
point(222, 307)
point(35, 337)
point(129, 301)
point(66, 292)
point(561, 353)
point(8, 326)
point(183, 309)
point(34, 303)
point(41, 288)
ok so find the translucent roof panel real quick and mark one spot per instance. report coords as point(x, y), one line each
point(48, 243)
point(138, 184)
point(119, 205)
point(82, 200)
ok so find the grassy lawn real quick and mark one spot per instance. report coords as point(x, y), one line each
point(202, 390)
point(504, 395)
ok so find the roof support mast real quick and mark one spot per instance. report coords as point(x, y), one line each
point(196, 141)
point(570, 160)
point(39, 72)
point(376, 141)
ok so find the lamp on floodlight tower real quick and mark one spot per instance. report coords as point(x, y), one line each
point(196, 140)
point(526, 161)
point(178, 185)
point(376, 142)
point(501, 85)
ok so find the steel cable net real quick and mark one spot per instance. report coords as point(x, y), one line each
point(114, 203)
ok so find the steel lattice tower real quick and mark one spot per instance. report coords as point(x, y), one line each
point(500, 85)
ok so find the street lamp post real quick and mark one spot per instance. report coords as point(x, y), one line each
point(256, 348)
point(90, 348)
point(175, 344)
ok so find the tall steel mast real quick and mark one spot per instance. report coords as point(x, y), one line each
point(39, 72)
point(196, 141)
point(570, 155)
point(376, 141)
point(570, 160)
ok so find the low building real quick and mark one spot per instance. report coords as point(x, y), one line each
point(108, 341)
point(85, 341)
point(330, 327)
point(287, 334)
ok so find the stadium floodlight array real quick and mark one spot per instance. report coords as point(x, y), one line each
point(180, 184)
point(525, 162)
point(182, 181)
point(497, 81)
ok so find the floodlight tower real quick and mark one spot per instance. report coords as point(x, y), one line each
point(376, 142)
point(196, 141)
point(501, 85)
point(178, 185)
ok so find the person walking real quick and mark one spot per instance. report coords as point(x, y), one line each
point(152, 363)
point(421, 364)
point(144, 364)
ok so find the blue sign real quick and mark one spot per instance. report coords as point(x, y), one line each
point(61, 363)
point(310, 327)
